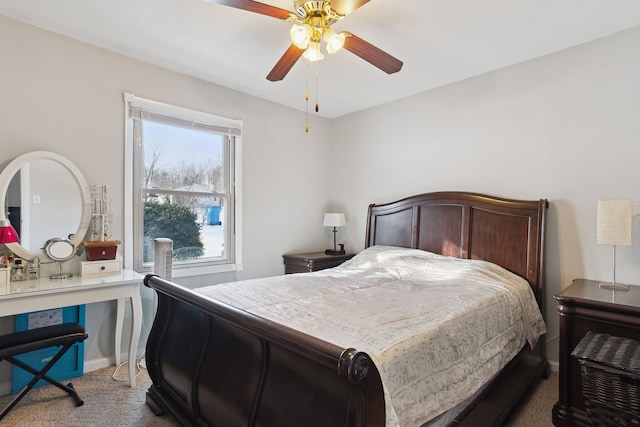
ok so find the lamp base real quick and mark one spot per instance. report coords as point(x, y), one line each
point(614, 286)
point(334, 252)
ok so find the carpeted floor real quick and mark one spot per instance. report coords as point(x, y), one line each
point(107, 402)
point(535, 409)
point(110, 403)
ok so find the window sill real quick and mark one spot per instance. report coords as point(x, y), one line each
point(187, 271)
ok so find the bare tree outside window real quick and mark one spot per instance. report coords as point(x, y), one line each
point(184, 191)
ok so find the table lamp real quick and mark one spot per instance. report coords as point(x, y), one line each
point(8, 234)
point(614, 228)
point(334, 220)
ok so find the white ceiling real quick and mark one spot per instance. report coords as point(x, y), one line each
point(439, 41)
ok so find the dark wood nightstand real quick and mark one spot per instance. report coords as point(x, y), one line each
point(584, 307)
point(312, 261)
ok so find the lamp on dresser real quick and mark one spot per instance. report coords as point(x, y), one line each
point(8, 234)
point(614, 228)
point(334, 220)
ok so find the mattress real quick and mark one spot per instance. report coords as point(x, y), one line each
point(438, 328)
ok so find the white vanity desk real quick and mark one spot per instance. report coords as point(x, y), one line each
point(44, 293)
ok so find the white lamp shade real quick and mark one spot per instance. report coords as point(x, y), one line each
point(334, 220)
point(615, 219)
point(334, 40)
point(301, 35)
point(313, 53)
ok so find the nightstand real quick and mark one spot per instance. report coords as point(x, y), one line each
point(312, 261)
point(584, 307)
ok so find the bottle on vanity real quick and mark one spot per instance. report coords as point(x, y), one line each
point(18, 270)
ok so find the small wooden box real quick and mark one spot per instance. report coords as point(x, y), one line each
point(98, 251)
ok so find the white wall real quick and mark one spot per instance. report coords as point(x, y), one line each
point(57, 94)
point(565, 127)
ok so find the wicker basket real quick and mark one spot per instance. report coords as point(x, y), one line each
point(610, 369)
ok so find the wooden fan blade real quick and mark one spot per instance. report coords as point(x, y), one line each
point(345, 7)
point(254, 6)
point(371, 54)
point(285, 63)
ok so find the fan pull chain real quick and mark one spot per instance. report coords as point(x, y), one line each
point(317, 84)
point(306, 98)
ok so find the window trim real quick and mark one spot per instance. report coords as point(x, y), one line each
point(132, 144)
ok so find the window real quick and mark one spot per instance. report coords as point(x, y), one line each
point(182, 172)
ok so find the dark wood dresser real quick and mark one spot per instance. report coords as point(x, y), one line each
point(584, 307)
point(312, 261)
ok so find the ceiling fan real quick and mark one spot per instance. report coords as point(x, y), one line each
point(312, 24)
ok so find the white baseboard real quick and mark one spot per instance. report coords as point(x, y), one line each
point(95, 364)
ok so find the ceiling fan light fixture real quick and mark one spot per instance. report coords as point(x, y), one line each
point(313, 53)
point(301, 35)
point(313, 20)
point(334, 40)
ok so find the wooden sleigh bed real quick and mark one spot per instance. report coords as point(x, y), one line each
point(216, 365)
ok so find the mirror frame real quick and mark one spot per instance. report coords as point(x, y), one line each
point(14, 167)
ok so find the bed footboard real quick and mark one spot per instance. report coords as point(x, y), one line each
point(214, 365)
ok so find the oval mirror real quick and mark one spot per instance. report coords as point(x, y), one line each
point(44, 195)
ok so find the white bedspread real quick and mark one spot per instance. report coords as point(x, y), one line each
point(437, 327)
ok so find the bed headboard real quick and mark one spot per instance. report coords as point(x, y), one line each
point(506, 232)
